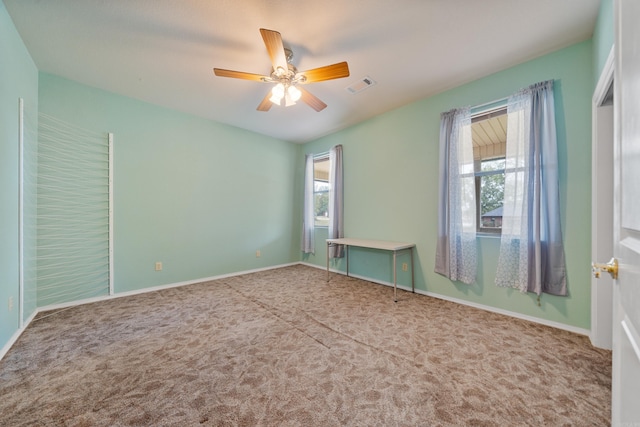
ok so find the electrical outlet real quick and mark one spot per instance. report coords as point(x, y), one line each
point(158, 266)
point(258, 253)
point(404, 266)
point(10, 303)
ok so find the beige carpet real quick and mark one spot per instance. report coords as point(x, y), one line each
point(285, 348)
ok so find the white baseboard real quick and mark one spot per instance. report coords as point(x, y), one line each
point(158, 288)
point(557, 325)
point(51, 307)
point(16, 335)
point(545, 322)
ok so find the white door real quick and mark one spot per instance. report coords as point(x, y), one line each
point(626, 234)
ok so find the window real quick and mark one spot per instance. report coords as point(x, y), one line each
point(321, 191)
point(489, 135)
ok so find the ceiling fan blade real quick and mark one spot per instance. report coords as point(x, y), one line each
point(266, 103)
point(220, 72)
point(273, 42)
point(311, 100)
point(329, 72)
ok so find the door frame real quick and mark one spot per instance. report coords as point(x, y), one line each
point(602, 145)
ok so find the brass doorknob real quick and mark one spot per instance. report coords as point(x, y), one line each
point(611, 267)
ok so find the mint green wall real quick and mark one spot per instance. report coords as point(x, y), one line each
point(603, 37)
point(18, 79)
point(391, 180)
point(198, 196)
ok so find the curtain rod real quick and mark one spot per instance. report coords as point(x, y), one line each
point(495, 101)
point(321, 154)
point(486, 104)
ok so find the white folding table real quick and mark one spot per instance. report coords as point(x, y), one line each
point(394, 247)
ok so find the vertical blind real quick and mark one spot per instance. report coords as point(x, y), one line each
point(73, 214)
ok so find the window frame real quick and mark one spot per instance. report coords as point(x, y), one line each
point(496, 110)
point(478, 177)
point(316, 159)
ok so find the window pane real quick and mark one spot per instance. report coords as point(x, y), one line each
point(321, 209)
point(321, 191)
point(492, 165)
point(489, 149)
point(319, 186)
point(321, 169)
point(491, 200)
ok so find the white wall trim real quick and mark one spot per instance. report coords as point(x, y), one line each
point(158, 288)
point(606, 76)
point(20, 212)
point(601, 201)
point(111, 236)
point(16, 335)
point(51, 307)
point(545, 322)
point(557, 325)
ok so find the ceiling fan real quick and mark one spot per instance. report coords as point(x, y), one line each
point(288, 79)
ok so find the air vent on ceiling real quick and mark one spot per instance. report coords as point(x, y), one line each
point(362, 84)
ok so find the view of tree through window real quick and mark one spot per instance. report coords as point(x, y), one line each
point(492, 193)
point(321, 191)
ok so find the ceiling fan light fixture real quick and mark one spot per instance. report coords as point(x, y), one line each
point(277, 93)
point(288, 101)
point(290, 93)
point(294, 93)
point(278, 90)
point(275, 99)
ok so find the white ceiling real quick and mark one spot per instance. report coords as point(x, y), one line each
point(163, 51)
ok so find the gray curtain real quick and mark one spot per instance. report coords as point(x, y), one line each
point(456, 253)
point(336, 200)
point(308, 219)
point(531, 249)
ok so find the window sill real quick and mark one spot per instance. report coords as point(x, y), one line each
point(488, 235)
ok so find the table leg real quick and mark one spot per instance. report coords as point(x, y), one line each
point(413, 286)
point(346, 252)
point(328, 261)
point(395, 287)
